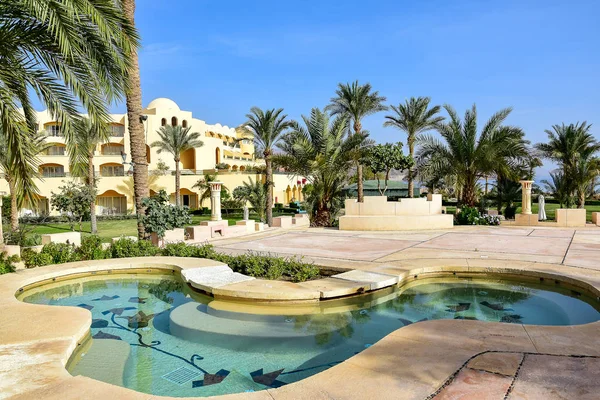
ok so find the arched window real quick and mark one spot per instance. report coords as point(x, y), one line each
point(163, 122)
point(174, 121)
point(184, 123)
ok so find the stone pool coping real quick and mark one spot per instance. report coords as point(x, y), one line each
point(36, 341)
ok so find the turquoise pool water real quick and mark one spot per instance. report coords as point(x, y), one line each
point(154, 335)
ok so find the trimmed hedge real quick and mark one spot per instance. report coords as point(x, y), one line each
point(252, 264)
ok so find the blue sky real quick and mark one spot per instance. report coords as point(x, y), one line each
point(219, 58)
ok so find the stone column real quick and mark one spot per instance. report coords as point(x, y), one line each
point(526, 197)
point(215, 201)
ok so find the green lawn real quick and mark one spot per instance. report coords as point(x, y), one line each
point(110, 229)
point(550, 210)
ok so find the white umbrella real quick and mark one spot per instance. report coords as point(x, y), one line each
point(542, 211)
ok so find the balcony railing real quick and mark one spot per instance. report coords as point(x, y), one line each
point(54, 131)
point(117, 131)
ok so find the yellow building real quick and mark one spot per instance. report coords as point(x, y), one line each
point(222, 145)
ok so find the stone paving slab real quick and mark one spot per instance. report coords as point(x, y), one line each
point(565, 233)
point(331, 246)
point(473, 384)
point(497, 363)
point(553, 378)
point(209, 278)
point(375, 280)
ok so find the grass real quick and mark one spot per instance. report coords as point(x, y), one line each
point(115, 228)
point(550, 210)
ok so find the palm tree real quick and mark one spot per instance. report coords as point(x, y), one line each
point(135, 121)
point(356, 102)
point(21, 182)
point(176, 140)
point(559, 188)
point(68, 53)
point(267, 128)
point(414, 117)
point(255, 193)
point(82, 141)
point(322, 152)
point(469, 157)
point(573, 147)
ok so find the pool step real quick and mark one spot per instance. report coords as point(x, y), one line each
point(209, 278)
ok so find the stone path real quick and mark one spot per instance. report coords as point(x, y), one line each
point(573, 247)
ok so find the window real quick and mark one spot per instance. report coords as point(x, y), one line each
point(163, 122)
point(112, 170)
point(112, 205)
point(112, 149)
point(174, 121)
point(53, 130)
point(55, 151)
point(117, 130)
point(53, 171)
point(184, 123)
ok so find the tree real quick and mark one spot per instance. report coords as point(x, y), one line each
point(21, 181)
point(161, 216)
point(73, 200)
point(82, 141)
point(413, 117)
point(383, 158)
point(468, 156)
point(267, 128)
point(255, 193)
point(322, 152)
point(559, 188)
point(356, 102)
point(69, 53)
point(135, 122)
point(162, 168)
point(574, 148)
point(176, 140)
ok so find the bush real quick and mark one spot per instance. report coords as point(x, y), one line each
point(510, 212)
point(51, 253)
point(23, 237)
point(472, 216)
point(124, 247)
point(161, 216)
point(91, 249)
point(179, 250)
point(7, 263)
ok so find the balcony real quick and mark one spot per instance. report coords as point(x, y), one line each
point(117, 130)
point(54, 131)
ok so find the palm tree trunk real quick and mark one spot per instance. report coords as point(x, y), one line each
point(269, 202)
point(91, 184)
point(136, 127)
point(581, 199)
point(359, 186)
point(177, 183)
point(411, 183)
point(14, 209)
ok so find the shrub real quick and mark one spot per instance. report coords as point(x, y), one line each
point(472, 216)
point(124, 247)
point(161, 216)
point(299, 271)
point(91, 249)
point(33, 259)
point(510, 212)
point(7, 263)
point(179, 250)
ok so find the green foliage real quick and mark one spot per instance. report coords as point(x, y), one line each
point(74, 201)
point(7, 263)
point(124, 247)
point(255, 193)
point(91, 248)
point(179, 250)
point(472, 216)
point(5, 208)
point(23, 237)
point(161, 168)
point(161, 216)
point(383, 158)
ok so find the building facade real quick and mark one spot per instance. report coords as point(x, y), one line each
point(225, 152)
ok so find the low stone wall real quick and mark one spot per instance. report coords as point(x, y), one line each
point(65, 237)
point(565, 218)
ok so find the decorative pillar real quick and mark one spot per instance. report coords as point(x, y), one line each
point(526, 197)
point(215, 201)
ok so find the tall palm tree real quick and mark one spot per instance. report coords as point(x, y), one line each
point(356, 102)
point(255, 193)
point(469, 156)
point(68, 53)
point(559, 188)
point(135, 123)
point(176, 140)
point(267, 128)
point(21, 181)
point(82, 141)
point(414, 117)
point(322, 152)
point(574, 148)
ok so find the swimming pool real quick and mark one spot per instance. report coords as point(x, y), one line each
point(155, 335)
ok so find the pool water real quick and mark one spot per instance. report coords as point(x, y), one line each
point(155, 335)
